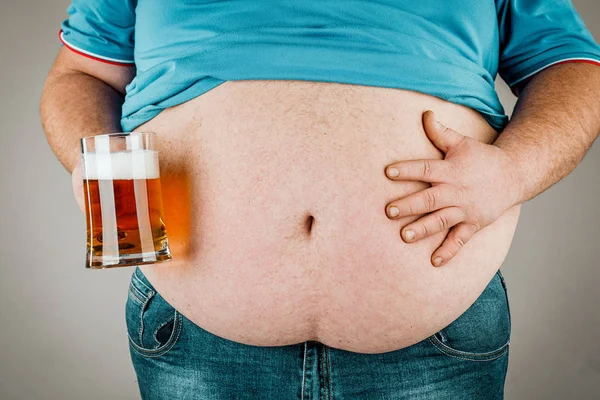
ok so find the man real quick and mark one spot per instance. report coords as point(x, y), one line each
point(277, 121)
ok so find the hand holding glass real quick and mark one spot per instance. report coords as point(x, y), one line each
point(123, 201)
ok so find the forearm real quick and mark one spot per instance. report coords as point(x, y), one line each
point(555, 121)
point(75, 105)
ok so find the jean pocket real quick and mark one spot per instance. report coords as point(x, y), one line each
point(153, 325)
point(482, 333)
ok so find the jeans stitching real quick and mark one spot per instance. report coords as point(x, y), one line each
point(470, 356)
point(160, 327)
point(466, 353)
point(168, 346)
point(139, 280)
point(507, 304)
point(303, 373)
point(141, 330)
point(329, 392)
point(322, 372)
point(136, 293)
point(145, 298)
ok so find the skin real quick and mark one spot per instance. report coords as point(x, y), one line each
point(555, 122)
point(81, 97)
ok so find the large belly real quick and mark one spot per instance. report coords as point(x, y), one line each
point(275, 198)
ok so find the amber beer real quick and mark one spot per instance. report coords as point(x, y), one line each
point(123, 202)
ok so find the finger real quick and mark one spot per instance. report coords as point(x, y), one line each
point(433, 223)
point(454, 242)
point(420, 170)
point(442, 137)
point(423, 202)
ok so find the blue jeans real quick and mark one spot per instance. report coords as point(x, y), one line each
point(176, 359)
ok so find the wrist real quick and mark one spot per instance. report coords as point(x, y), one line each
point(515, 175)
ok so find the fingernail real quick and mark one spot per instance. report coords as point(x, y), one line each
point(437, 261)
point(393, 211)
point(392, 172)
point(409, 234)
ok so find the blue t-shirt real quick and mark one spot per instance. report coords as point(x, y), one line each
point(452, 49)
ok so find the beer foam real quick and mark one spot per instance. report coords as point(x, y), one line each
point(136, 164)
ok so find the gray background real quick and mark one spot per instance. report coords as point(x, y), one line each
point(62, 328)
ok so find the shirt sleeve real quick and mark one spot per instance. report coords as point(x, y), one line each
point(535, 34)
point(101, 29)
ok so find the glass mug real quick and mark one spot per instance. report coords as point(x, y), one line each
point(123, 200)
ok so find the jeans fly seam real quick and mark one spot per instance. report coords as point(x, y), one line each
point(303, 373)
point(328, 362)
point(322, 372)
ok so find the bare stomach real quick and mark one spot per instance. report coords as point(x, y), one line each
point(275, 198)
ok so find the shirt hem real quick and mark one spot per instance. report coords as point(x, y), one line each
point(93, 56)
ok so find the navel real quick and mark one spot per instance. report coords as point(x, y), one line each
point(309, 223)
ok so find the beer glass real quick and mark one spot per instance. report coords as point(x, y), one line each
point(123, 200)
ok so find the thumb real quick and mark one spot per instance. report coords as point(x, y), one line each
point(442, 137)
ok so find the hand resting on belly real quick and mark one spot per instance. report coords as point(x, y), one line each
point(469, 189)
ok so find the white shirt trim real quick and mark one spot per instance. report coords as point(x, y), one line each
point(89, 53)
point(553, 63)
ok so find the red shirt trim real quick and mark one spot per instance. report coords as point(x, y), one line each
point(578, 61)
point(514, 89)
point(92, 57)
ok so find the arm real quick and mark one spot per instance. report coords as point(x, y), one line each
point(81, 97)
point(556, 120)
